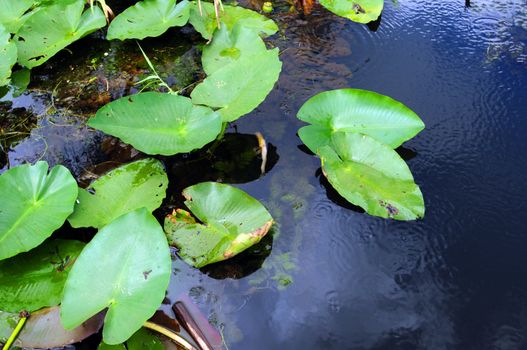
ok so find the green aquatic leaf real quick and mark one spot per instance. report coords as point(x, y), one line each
point(362, 111)
point(125, 268)
point(158, 123)
point(241, 73)
point(14, 13)
point(230, 47)
point(43, 329)
point(20, 81)
point(315, 136)
point(33, 204)
point(148, 18)
point(8, 55)
point(361, 11)
point(132, 186)
point(371, 175)
point(35, 279)
point(141, 340)
point(104, 346)
point(54, 27)
point(205, 22)
point(231, 221)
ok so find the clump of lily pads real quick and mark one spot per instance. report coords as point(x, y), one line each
point(354, 132)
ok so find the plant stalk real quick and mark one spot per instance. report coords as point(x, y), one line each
point(14, 334)
point(168, 333)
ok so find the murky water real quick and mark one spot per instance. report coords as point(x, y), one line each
point(332, 277)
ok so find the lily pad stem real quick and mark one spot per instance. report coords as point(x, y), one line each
point(15, 332)
point(168, 333)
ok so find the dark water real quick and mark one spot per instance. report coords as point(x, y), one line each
point(332, 277)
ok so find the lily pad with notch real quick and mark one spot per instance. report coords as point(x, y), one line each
point(132, 186)
point(53, 27)
point(354, 110)
point(33, 204)
point(148, 18)
point(205, 21)
point(126, 268)
point(371, 175)
point(361, 11)
point(241, 73)
point(230, 46)
point(226, 221)
point(158, 123)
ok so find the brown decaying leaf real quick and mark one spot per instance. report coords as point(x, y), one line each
point(44, 330)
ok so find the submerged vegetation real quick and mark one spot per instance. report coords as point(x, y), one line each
point(125, 268)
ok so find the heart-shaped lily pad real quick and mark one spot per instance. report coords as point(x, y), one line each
point(230, 47)
point(362, 111)
point(35, 279)
point(371, 175)
point(158, 123)
point(53, 27)
point(148, 18)
point(241, 72)
point(229, 221)
point(125, 268)
point(33, 204)
point(205, 21)
point(361, 11)
point(132, 186)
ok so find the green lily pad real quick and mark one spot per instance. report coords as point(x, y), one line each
point(242, 72)
point(19, 81)
point(132, 186)
point(125, 268)
point(361, 11)
point(158, 123)
point(230, 47)
point(371, 175)
point(35, 279)
point(43, 329)
point(205, 22)
point(8, 55)
point(13, 13)
point(148, 18)
point(231, 221)
point(54, 27)
point(33, 204)
point(104, 346)
point(143, 339)
point(362, 111)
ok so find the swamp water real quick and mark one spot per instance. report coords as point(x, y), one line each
point(330, 276)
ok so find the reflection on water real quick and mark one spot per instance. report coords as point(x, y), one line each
point(331, 276)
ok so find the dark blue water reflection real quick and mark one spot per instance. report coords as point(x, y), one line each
point(457, 279)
